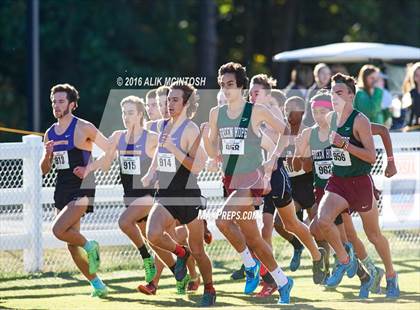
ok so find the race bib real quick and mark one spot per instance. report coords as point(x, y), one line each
point(340, 157)
point(61, 160)
point(233, 146)
point(130, 165)
point(323, 169)
point(166, 162)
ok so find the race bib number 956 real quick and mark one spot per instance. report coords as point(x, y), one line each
point(340, 157)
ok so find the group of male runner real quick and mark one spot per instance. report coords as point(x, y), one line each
point(267, 157)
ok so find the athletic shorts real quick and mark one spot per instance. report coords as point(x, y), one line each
point(63, 196)
point(184, 206)
point(303, 190)
point(319, 193)
point(226, 195)
point(281, 191)
point(131, 196)
point(252, 180)
point(357, 191)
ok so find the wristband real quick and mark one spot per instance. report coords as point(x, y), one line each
point(346, 145)
point(390, 158)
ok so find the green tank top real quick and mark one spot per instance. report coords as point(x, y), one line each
point(240, 146)
point(344, 163)
point(321, 158)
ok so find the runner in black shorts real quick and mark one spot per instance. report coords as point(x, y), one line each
point(69, 143)
point(134, 149)
point(178, 159)
point(301, 178)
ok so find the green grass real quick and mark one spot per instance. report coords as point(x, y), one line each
point(71, 291)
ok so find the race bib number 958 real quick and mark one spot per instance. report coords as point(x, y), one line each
point(233, 146)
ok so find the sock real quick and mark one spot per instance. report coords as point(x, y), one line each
point(368, 263)
point(97, 283)
point(268, 278)
point(180, 250)
point(297, 245)
point(144, 252)
point(88, 245)
point(247, 258)
point(172, 268)
point(279, 277)
point(209, 288)
point(324, 244)
point(362, 273)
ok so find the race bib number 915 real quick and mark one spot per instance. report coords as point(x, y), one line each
point(61, 160)
point(130, 165)
point(233, 146)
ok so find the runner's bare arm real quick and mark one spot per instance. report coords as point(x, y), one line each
point(302, 157)
point(211, 134)
point(195, 158)
point(383, 132)
point(105, 161)
point(367, 152)
point(47, 157)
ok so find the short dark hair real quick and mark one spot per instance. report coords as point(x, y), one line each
point(279, 96)
point(151, 94)
point(189, 96)
point(237, 69)
point(266, 81)
point(162, 91)
point(322, 94)
point(345, 79)
point(71, 92)
point(300, 103)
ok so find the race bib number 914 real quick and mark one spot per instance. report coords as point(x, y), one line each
point(166, 162)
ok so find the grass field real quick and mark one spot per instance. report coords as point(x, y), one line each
point(70, 291)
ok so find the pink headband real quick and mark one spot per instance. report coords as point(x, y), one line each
point(321, 104)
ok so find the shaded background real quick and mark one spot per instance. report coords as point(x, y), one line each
point(90, 43)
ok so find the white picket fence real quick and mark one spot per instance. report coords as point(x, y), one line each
point(24, 193)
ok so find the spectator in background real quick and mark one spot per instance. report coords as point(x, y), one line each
point(411, 91)
point(368, 98)
point(386, 99)
point(301, 78)
point(322, 76)
point(339, 68)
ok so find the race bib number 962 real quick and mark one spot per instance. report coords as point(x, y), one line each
point(323, 169)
